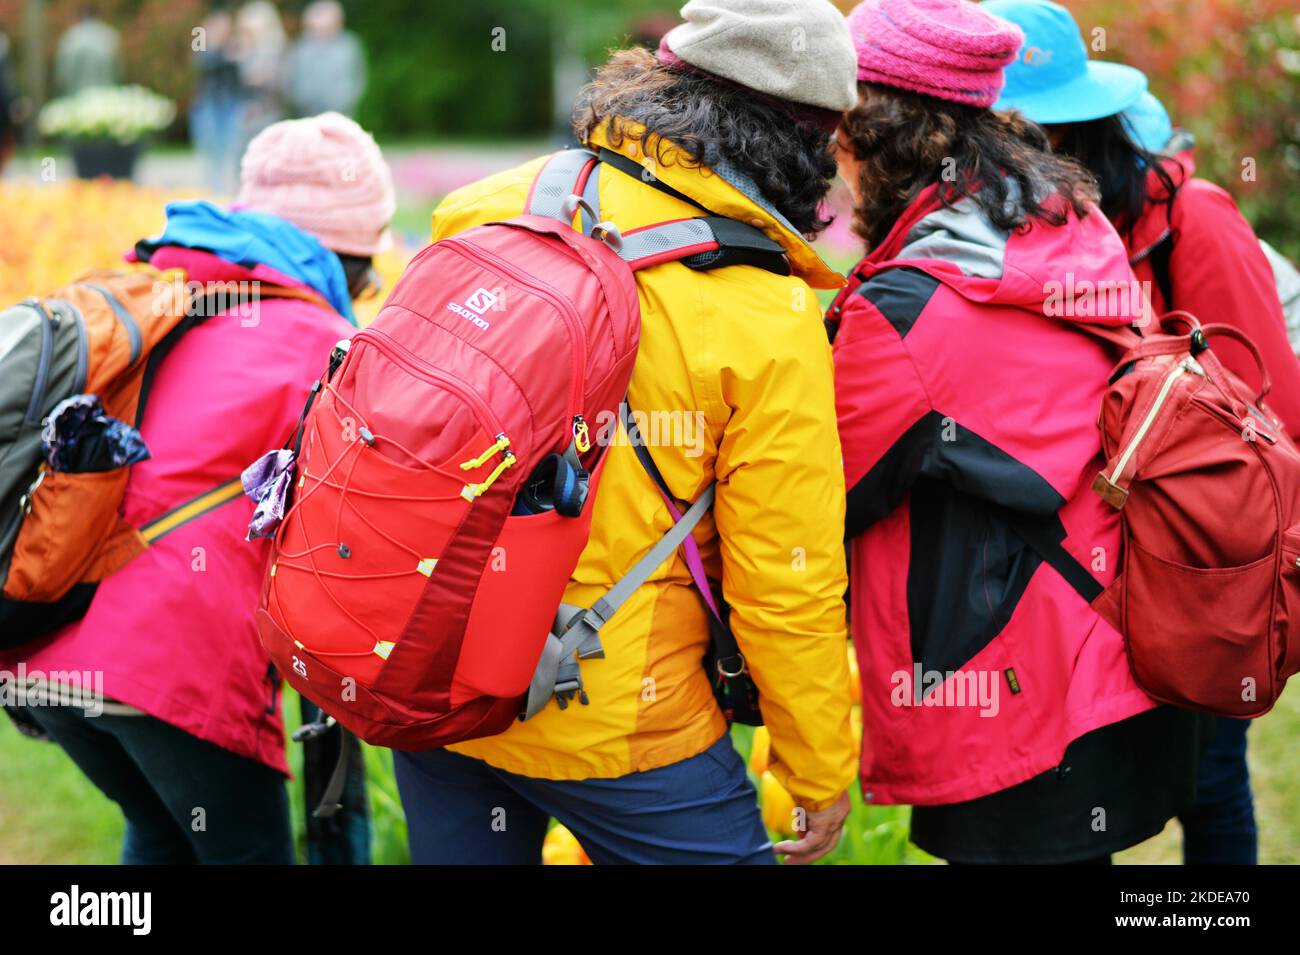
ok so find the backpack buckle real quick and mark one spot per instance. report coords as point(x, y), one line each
point(605, 232)
point(568, 684)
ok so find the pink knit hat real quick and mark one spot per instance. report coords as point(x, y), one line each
point(324, 174)
point(949, 49)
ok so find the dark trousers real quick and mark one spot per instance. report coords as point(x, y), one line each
point(185, 800)
point(1220, 828)
point(702, 810)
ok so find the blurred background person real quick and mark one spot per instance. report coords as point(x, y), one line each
point(89, 54)
point(8, 128)
point(1185, 236)
point(259, 51)
point(327, 65)
point(215, 119)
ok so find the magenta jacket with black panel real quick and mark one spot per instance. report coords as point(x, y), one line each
point(968, 395)
point(173, 632)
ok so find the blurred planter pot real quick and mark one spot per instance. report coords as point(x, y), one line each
point(105, 157)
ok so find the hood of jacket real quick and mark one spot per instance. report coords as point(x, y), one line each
point(263, 246)
point(1020, 268)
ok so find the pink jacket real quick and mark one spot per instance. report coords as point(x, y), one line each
point(968, 405)
point(173, 631)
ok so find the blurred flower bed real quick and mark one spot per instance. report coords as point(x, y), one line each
point(57, 231)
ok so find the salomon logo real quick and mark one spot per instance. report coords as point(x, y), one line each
point(481, 301)
point(474, 307)
point(300, 668)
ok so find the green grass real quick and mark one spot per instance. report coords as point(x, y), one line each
point(50, 813)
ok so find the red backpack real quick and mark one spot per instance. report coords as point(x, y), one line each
point(1207, 483)
point(445, 466)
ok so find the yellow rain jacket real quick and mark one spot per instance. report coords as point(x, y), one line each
point(747, 350)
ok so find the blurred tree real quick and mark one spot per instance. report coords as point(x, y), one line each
point(484, 68)
point(1229, 71)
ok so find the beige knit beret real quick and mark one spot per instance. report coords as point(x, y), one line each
point(795, 50)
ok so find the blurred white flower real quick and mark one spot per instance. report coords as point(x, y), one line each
point(123, 113)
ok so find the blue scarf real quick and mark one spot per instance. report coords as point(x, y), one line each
point(249, 238)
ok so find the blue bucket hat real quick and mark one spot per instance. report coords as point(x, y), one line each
point(1149, 124)
point(1052, 80)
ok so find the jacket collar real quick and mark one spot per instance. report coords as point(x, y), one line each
point(725, 191)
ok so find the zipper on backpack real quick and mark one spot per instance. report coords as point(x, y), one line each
point(566, 308)
point(501, 443)
point(1186, 366)
point(581, 434)
point(471, 491)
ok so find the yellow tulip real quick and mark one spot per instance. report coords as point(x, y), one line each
point(855, 676)
point(778, 805)
point(561, 847)
point(760, 751)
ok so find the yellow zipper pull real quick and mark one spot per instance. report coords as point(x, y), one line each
point(471, 491)
point(501, 444)
point(581, 434)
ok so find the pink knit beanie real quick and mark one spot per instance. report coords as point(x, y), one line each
point(324, 174)
point(949, 49)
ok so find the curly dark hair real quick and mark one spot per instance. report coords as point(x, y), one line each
point(707, 117)
point(906, 141)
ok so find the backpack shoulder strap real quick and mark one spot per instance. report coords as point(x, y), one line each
point(1045, 539)
point(733, 686)
point(1160, 257)
point(568, 183)
point(564, 175)
point(577, 631)
point(579, 628)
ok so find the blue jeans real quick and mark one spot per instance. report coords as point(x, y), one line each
point(698, 811)
point(185, 800)
point(1220, 828)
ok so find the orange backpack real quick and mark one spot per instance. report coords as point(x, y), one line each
point(62, 532)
